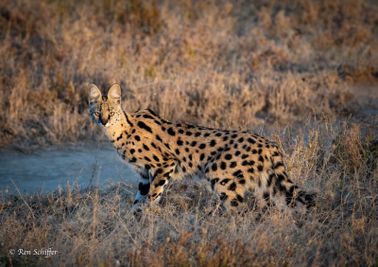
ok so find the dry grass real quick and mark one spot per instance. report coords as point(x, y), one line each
point(221, 64)
point(298, 66)
point(92, 227)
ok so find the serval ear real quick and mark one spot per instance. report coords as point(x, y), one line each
point(114, 92)
point(94, 93)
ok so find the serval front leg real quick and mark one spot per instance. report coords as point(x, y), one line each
point(160, 178)
point(143, 189)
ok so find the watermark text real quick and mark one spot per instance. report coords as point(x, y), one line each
point(41, 252)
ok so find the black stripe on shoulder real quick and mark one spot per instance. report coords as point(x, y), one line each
point(144, 126)
point(153, 113)
point(127, 119)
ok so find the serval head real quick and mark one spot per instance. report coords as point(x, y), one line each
point(105, 110)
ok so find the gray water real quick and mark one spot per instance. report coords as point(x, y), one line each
point(47, 170)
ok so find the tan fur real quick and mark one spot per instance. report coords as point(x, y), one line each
point(233, 162)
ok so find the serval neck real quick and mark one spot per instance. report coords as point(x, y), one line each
point(118, 131)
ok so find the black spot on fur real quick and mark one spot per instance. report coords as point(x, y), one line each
point(223, 165)
point(213, 182)
point(233, 164)
point(146, 116)
point(142, 125)
point(240, 198)
point(159, 138)
point(277, 165)
point(214, 166)
point(171, 132)
point(144, 188)
point(232, 186)
point(119, 137)
point(279, 179)
point(223, 196)
point(202, 146)
point(238, 174)
point(234, 203)
point(180, 142)
point(245, 163)
point(224, 181)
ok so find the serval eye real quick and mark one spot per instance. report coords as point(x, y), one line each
point(97, 113)
point(111, 113)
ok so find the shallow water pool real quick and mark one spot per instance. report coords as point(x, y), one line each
point(44, 171)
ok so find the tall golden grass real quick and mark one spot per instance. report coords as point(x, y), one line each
point(218, 63)
point(303, 72)
point(95, 227)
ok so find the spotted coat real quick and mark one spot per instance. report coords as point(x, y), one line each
point(234, 162)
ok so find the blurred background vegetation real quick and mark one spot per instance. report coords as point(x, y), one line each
point(230, 64)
